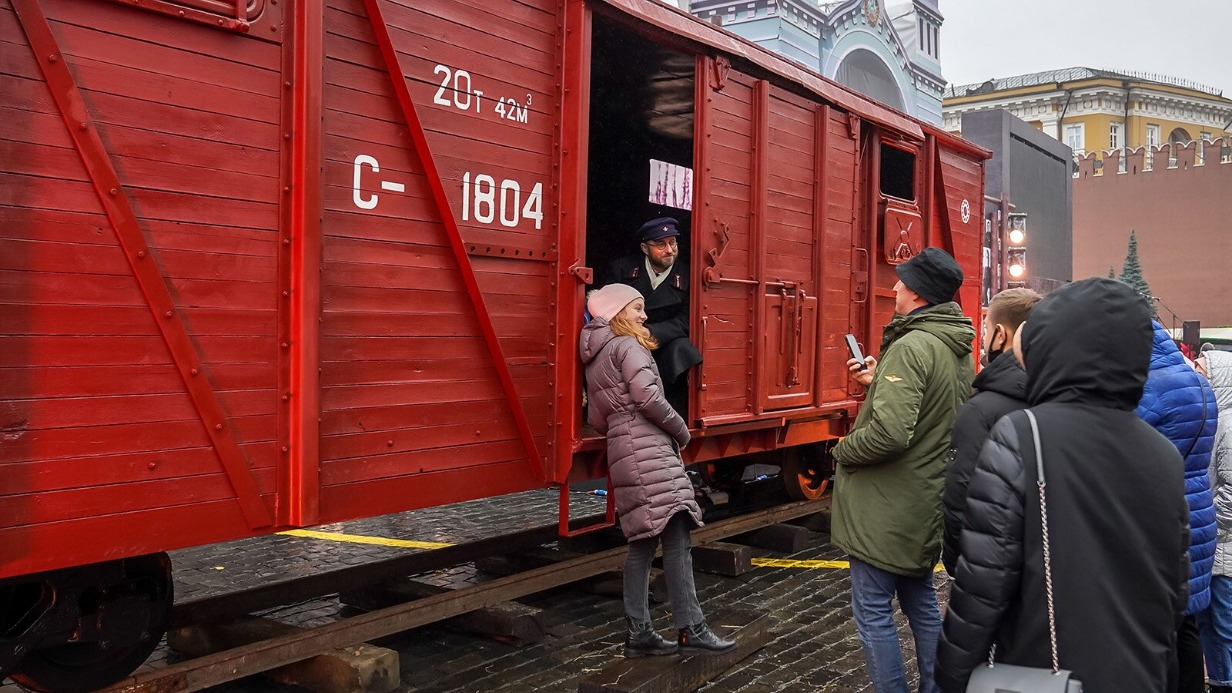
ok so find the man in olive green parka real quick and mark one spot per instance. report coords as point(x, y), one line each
point(890, 469)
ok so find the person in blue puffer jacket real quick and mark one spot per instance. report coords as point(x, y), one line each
point(1179, 403)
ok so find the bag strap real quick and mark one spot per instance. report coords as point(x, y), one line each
point(1039, 466)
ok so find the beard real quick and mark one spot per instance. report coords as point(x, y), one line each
point(662, 265)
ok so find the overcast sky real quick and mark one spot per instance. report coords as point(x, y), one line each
point(1188, 39)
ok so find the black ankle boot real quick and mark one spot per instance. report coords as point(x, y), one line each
point(642, 640)
point(699, 638)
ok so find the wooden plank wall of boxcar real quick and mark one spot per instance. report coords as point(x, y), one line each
point(412, 409)
point(728, 307)
point(838, 255)
point(960, 180)
point(817, 254)
point(103, 449)
point(814, 255)
point(789, 350)
point(883, 275)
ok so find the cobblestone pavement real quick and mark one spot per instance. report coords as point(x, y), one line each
point(813, 645)
point(219, 568)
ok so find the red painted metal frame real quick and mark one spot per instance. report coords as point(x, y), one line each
point(868, 190)
point(927, 198)
point(237, 23)
point(571, 224)
point(153, 285)
point(862, 312)
point(757, 251)
point(702, 215)
point(299, 482)
point(432, 173)
point(821, 225)
point(609, 514)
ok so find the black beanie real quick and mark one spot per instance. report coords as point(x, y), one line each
point(932, 274)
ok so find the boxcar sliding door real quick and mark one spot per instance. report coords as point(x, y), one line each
point(758, 233)
point(727, 283)
point(790, 267)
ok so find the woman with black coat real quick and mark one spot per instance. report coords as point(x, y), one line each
point(1000, 388)
point(1116, 509)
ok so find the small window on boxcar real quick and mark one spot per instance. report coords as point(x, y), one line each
point(897, 173)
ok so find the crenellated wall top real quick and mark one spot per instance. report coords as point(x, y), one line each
point(1180, 156)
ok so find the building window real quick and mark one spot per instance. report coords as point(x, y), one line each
point(929, 35)
point(1152, 135)
point(1116, 139)
point(920, 29)
point(930, 40)
point(1075, 138)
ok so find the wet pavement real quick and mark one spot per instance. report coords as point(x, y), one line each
point(813, 644)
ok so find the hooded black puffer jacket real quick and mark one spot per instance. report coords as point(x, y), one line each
point(1117, 514)
point(999, 389)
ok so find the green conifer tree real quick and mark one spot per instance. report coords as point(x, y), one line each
point(1111, 272)
point(1131, 270)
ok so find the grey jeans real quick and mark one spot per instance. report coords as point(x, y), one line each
point(677, 567)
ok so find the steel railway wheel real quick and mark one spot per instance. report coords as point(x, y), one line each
point(120, 617)
point(806, 472)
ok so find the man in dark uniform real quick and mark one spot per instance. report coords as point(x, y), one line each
point(664, 283)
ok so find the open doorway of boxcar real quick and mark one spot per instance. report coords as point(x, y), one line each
point(640, 167)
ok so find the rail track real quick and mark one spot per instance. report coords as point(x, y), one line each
point(268, 596)
point(239, 662)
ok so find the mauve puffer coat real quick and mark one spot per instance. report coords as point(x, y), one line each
point(644, 434)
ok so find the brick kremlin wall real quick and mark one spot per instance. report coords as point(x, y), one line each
point(1178, 200)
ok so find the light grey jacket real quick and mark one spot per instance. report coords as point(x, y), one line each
point(644, 434)
point(1219, 371)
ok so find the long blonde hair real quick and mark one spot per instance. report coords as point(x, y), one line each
point(624, 327)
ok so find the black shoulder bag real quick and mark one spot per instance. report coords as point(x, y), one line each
point(1009, 678)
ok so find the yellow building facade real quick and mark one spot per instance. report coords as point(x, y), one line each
point(1099, 110)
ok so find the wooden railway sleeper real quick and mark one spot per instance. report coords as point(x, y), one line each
point(211, 670)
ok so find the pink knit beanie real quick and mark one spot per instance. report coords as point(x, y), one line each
point(607, 302)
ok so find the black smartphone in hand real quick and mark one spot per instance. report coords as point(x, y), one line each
point(854, 347)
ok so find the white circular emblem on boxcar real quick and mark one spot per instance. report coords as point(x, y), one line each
point(966, 211)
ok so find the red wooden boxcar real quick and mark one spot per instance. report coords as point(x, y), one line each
point(273, 264)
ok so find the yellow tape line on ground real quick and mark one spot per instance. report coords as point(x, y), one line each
point(811, 565)
point(409, 544)
point(788, 563)
point(360, 539)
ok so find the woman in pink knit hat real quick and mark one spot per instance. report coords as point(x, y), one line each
point(654, 496)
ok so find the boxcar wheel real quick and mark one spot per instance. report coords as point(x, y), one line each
point(805, 473)
point(131, 619)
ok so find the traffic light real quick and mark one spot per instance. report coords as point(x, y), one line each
point(1016, 250)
